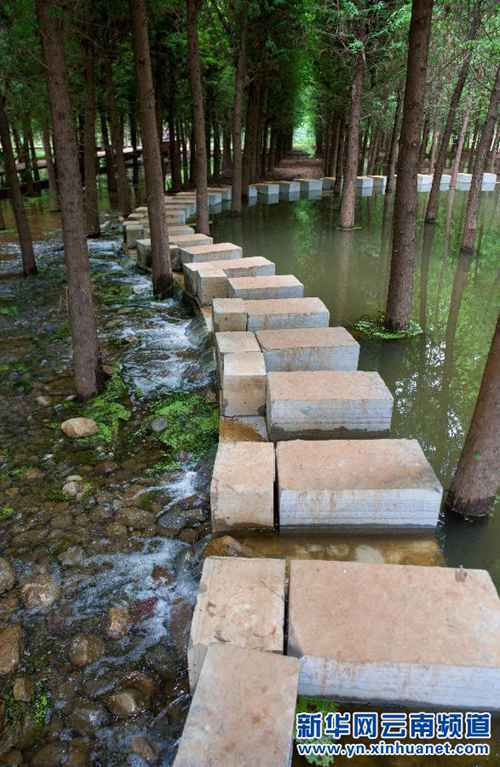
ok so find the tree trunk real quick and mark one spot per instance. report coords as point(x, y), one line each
point(434, 150)
point(22, 225)
point(433, 201)
point(400, 296)
point(185, 158)
point(340, 158)
point(239, 82)
point(227, 159)
point(89, 143)
point(28, 170)
point(51, 170)
point(422, 154)
point(474, 486)
point(492, 162)
point(334, 151)
point(460, 146)
point(193, 6)
point(116, 140)
point(86, 356)
point(348, 203)
point(470, 222)
point(110, 160)
point(34, 158)
point(133, 140)
point(173, 134)
point(160, 249)
point(217, 149)
point(372, 160)
point(390, 167)
point(3, 224)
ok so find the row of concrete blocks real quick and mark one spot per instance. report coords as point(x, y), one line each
point(393, 635)
point(339, 484)
point(424, 182)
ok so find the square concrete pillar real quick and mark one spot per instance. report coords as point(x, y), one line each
point(365, 183)
point(233, 343)
point(143, 254)
point(356, 484)
point(250, 720)
point(211, 284)
point(229, 314)
point(464, 180)
point(445, 181)
point(237, 267)
point(136, 216)
point(324, 404)
point(309, 349)
point(265, 189)
point(379, 183)
point(219, 251)
point(242, 428)
point(289, 190)
point(225, 192)
point(328, 183)
point(272, 286)
point(252, 192)
point(424, 182)
point(175, 217)
point(488, 181)
point(278, 313)
point(132, 232)
point(242, 489)
point(311, 185)
point(179, 230)
point(243, 390)
point(396, 634)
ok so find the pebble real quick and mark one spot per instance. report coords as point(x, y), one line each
point(118, 622)
point(368, 554)
point(85, 650)
point(143, 748)
point(159, 424)
point(41, 591)
point(23, 689)
point(7, 575)
point(227, 546)
point(88, 716)
point(11, 639)
point(79, 427)
point(72, 557)
point(43, 401)
point(125, 704)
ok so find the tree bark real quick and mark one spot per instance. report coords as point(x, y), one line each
point(347, 207)
point(469, 233)
point(34, 158)
point(89, 143)
point(340, 158)
point(392, 156)
point(460, 146)
point(110, 160)
point(239, 83)
point(474, 486)
point(133, 140)
point(433, 201)
point(160, 249)
point(116, 140)
point(51, 170)
point(86, 355)
point(22, 225)
point(400, 296)
point(27, 173)
point(173, 134)
point(200, 168)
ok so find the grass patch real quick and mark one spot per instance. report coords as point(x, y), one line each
point(9, 311)
point(376, 329)
point(6, 512)
point(192, 426)
point(323, 706)
point(108, 410)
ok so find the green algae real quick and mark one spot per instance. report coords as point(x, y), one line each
point(313, 705)
point(6, 512)
point(108, 410)
point(376, 329)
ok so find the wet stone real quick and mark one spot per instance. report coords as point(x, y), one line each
point(40, 592)
point(118, 622)
point(7, 575)
point(79, 427)
point(85, 650)
point(88, 716)
point(144, 748)
point(10, 648)
point(73, 556)
point(125, 704)
point(23, 689)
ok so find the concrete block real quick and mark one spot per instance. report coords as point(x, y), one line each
point(211, 284)
point(445, 181)
point(379, 183)
point(488, 181)
point(356, 484)
point(179, 230)
point(328, 182)
point(250, 720)
point(242, 428)
point(464, 180)
point(242, 488)
point(225, 192)
point(214, 199)
point(229, 314)
point(424, 182)
point(233, 343)
point(132, 231)
point(309, 349)
point(311, 185)
point(143, 254)
point(289, 190)
point(396, 634)
point(175, 217)
point(278, 313)
point(267, 190)
point(304, 404)
point(219, 251)
point(136, 216)
point(252, 192)
point(243, 380)
point(273, 286)
point(364, 182)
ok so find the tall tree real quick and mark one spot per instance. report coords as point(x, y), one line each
point(481, 155)
point(351, 166)
point(86, 355)
point(400, 295)
point(160, 251)
point(433, 201)
point(51, 170)
point(474, 486)
point(116, 138)
point(22, 225)
point(201, 164)
point(239, 83)
point(89, 139)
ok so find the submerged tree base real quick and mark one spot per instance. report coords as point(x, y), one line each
point(479, 508)
point(377, 329)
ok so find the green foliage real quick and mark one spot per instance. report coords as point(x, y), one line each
point(313, 705)
point(40, 706)
point(9, 311)
point(192, 427)
point(6, 512)
point(108, 410)
point(376, 329)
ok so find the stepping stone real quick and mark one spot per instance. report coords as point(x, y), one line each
point(211, 278)
point(311, 185)
point(180, 230)
point(143, 260)
point(225, 192)
point(464, 180)
point(273, 286)
point(328, 182)
point(229, 314)
point(289, 190)
point(267, 190)
point(233, 343)
point(242, 488)
point(186, 241)
point(243, 384)
point(364, 182)
point(309, 349)
point(379, 182)
point(136, 216)
point(219, 251)
point(242, 428)
point(379, 483)
point(396, 634)
point(241, 601)
point(252, 192)
point(132, 232)
point(424, 182)
point(278, 313)
point(178, 217)
point(445, 181)
point(324, 404)
point(488, 181)
point(250, 720)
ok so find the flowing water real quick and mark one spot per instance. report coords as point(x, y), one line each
point(134, 535)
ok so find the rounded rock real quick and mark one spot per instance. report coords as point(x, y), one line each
point(85, 650)
point(40, 592)
point(79, 427)
point(7, 576)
